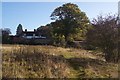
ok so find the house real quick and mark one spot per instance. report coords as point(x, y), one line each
point(31, 37)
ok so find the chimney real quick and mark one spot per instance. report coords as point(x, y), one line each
point(25, 30)
point(34, 30)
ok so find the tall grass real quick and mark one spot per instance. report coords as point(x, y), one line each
point(29, 62)
point(24, 61)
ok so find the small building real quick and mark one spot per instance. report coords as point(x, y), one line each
point(31, 37)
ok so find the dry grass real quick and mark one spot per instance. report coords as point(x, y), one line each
point(22, 61)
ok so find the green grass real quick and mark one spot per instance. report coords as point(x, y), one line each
point(23, 61)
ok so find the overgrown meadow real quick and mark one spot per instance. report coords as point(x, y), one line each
point(28, 61)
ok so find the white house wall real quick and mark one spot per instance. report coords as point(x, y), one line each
point(30, 37)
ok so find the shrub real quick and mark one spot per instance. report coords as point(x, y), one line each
point(104, 35)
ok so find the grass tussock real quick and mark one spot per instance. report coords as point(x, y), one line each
point(23, 61)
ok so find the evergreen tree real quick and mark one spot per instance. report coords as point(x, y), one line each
point(19, 29)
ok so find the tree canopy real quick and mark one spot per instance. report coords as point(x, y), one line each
point(69, 21)
point(45, 30)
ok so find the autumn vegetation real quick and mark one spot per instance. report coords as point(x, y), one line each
point(80, 48)
point(24, 61)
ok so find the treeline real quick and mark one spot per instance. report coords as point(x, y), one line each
point(71, 24)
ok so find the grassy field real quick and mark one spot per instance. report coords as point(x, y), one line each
point(23, 61)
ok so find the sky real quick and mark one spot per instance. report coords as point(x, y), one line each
point(35, 14)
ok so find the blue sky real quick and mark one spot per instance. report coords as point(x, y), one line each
point(35, 14)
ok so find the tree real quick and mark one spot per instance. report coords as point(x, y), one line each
point(45, 30)
point(69, 21)
point(19, 29)
point(56, 34)
point(5, 35)
point(104, 35)
point(119, 39)
point(6, 31)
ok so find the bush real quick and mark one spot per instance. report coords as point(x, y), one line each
point(59, 40)
point(104, 35)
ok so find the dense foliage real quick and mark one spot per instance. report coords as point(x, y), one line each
point(45, 30)
point(104, 36)
point(5, 35)
point(70, 23)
